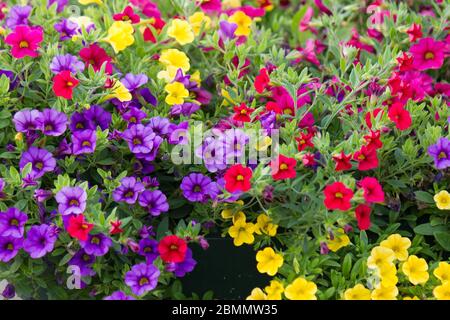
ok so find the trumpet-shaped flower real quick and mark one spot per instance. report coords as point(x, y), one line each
point(358, 292)
point(176, 93)
point(301, 289)
point(442, 200)
point(442, 272)
point(268, 261)
point(243, 23)
point(398, 244)
point(380, 257)
point(242, 232)
point(181, 31)
point(416, 269)
point(120, 35)
point(442, 292)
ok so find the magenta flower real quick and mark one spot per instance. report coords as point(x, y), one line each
point(25, 41)
point(428, 54)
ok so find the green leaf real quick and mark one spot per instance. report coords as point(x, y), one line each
point(443, 238)
point(427, 229)
point(424, 196)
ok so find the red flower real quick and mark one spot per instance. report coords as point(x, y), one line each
point(158, 24)
point(282, 107)
point(373, 191)
point(372, 115)
point(172, 249)
point(127, 15)
point(367, 158)
point(96, 56)
point(337, 196)
point(115, 227)
point(242, 113)
point(63, 84)
point(373, 140)
point(262, 81)
point(405, 62)
point(283, 168)
point(309, 160)
point(362, 213)
point(304, 141)
point(78, 228)
point(400, 116)
point(342, 161)
point(25, 41)
point(237, 178)
point(414, 32)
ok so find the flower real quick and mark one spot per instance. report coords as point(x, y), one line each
point(127, 15)
point(283, 168)
point(373, 191)
point(41, 161)
point(264, 225)
point(198, 21)
point(442, 272)
point(339, 240)
point(115, 227)
point(301, 289)
point(71, 200)
point(362, 213)
point(172, 249)
point(175, 59)
point(441, 153)
point(442, 199)
point(139, 138)
point(128, 191)
point(25, 120)
point(268, 261)
point(142, 278)
point(98, 117)
point(227, 30)
point(342, 161)
point(148, 248)
point(66, 62)
point(262, 80)
point(442, 292)
point(18, 15)
point(380, 257)
point(133, 82)
point(40, 240)
point(414, 32)
point(154, 201)
point(274, 290)
point(257, 294)
point(243, 23)
point(9, 247)
point(63, 84)
point(388, 275)
point(66, 28)
point(416, 270)
point(180, 269)
point(337, 197)
point(195, 187)
point(181, 31)
point(52, 122)
point(400, 116)
point(358, 292)
point(367, 158)
point(97, 244)
point(25, 41)
point(96, 56)
point(84, 142)
point(242, 113)
point(237, 178)
point(78, 227)
point(176, 93)
point(120, 35)
point(428, 54)
point(118, 295)
point(12, 223)
point(242, 232)
point(398, 244)
point(385, 293)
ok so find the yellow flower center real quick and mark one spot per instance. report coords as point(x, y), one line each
point(442, 155)
point(429, 55)
point(283, 166)
point(143, 281)
point(39, 165)
point(339, 195)
point(23, 44)
point(240, 177)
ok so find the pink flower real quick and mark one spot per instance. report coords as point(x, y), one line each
point(25, 41)
point(428, 54)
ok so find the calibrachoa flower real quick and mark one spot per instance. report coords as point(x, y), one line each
point(9, 247)
point(428, 54)
point(66, 62)
point(358, 292)
point(237, 178)
point(128, 191)
point(416, 269)
point(142, 278)
point(362, 213)
point(195, 187)
point(120, 35)
point(78, 227)
point(127, 15)
point(301, 289)
point(83, 261)
point(12, 223)
point(398, 244)
point(84, 142)
point(25, 120)
point(442, 200)
point(18, 15)
point(71, 200)
point(96, 56)
point(242, 232)
point(181, 31)
point(154, 201)
point(25, 41)
point(182, 268)
point(52, 122)
point(373, 191)
point(96, 244)
point(40, 240)
point(338, 196)
point(441, 153)
point(367, 158)
point(66, 28)
point(268, 261)
point(139, 138)
point(283, 168)
point(172, 249)
point(63, 84)
point(149, 249)
point(176, 93)
point(41, 161)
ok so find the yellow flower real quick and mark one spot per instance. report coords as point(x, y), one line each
point(340, 240)
point(385, 293)
point(380, 257)
point(198, 21)
point(257, 294)
point(388, 275)
point(263, 143)
point(18, 136)
point(264, 225)
point(442, 200)
point(2, 31)
point(358, 292)
point(442, 272)
point(176, 93)
point(119, 92)
point(230, 4)
point(243, 22)
point(301, 289)
point(268, 261)
point(120, 35)
point(86, 2)
point(196, 77)
point(242, 232)
point(442, 292)
point(168, 75)
point(274, 290)
point(416, 270)
point(176, 59)
point(398, 244)
point(181, 31)
point(411, 298)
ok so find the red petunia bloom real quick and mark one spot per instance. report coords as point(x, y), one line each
point(304, 141)
point(373, 115)
point(414, 32)
point(237, 178)
point(400, 116)
point(362, 213)
point(25, 41)
point(405, 62)
point(373, 191)
point(309, 160)
point(373, 140)
point(342, 161)
point(172, 249)
point(262, 80)
point(338, 197)
point(367, 158)
point(63, 84)
point(115, 227)
point(283, 168)
point(242, 113)
point(127, 15)
point(96, 56)
point(78, 228)
point(157, 24)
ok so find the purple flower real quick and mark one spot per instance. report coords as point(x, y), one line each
point(78, 122)
point(159, 125)
point(9, 247)
point(152, 154)
point(71, 200)
point(66, 28)
point(132, 82)
point(60, 4)
point(118, 295)
point(154, 201)
point(128, 191)
point(324, 248)
point(12, 223)
point(40, 240)
point(98, 116)
point(148, 96)
point(226, 30)
point(142, 278)
point(441, 153)
point(134, 116)
point(212, 151)
point(52, 122)
point(9, 292)
point(235, 141)
point(13, 80)
point(18, 15)
point(179, 133)
point(66, 62)
point(41, 161)
point(180, 269)
point(150, 182)
point(83, 261)
point(148, 248)
point(97, 244)
point(139, 138)
point(196, 187)
point(42, 195)
point(25, 120)
point(84, 142)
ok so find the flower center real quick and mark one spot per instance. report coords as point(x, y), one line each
point(197, 188)
point(86, 143)
point(243, 111)
point(125, 18)
point(283, 166)
point(339, 195)
point(129, 194)
point(39, 165)
point(86, 257)
point(69, 83)
point(240, 177)
point(137, 141)
point(143, 281)
point(14, 222)
point(84, 226)
point(74, 202)
point(80, 125)
point(287, 111)
point(48, 127)
point(442, 155)
point(429, 55)
point(361, 157)
point(10, 246)
point(148, 249)
point(173, 247)
point(95, 240)
point(23, 44)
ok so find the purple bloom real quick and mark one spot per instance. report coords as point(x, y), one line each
point(134, 116)
point(150, 182)
point(84, 142)
point(226, 30)
point(60, 4)
point(71, 200)
point(441, 153)
point(179, 133)
point(66, 62)
point(142, 278)
point(98, 116)
point(83, 261)
point(13, 80)
point(42, 195)
point(52, 122)
point(148, 248)
point(18, 15)
point(12, 223)
point(97, 244)
point(185, 109)
point(40, 240)
point(132, 82)
point(159, 125)
point(128, 191)
point(78, 122)
point(154, 201)
point(212, 151)
point(196, 187)
point(152, 154)
point(25, 120)
point(180, 269)
point(9, 292)
point(148, 96)
point(139, 138)
point(9, 247)
point(118, 295)
point(41, 161)
point(235, 141)
point(66, 28)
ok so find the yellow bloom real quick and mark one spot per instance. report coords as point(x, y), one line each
point(119, 92)
point(120, 35)
point(243, 22)
point(388, 275)
point(18, 136)
point(442, 272)
point(416, 270)
point(263, 143)
point(442, 292)
point(380, 257)
point(86, 2)
point(411, 298)
point(264, 225)
point(242, 232)
point(198, 21)
point(301, 289)
point(176, 93)
point(230, 4)
point(358, 292)
point(398, 244)
point(340, 240)
point(257, 294)
point(385, 293)
point(274, 290)
point(196, 77)
point(2, 31)
point(168, 75)
point(181, 31)
point(442, 200)
point(176, 59)
point(268, 261)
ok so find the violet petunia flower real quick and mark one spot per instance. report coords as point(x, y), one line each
point(25, 120)
point(66, 28)
point(118, 295)
point(128, 191)
point(41, 161)
point(97, 244)
point(98, 116)
point(71, 200)
point(40, 240)
point(159, 125)
point(60, 4)
point(133, 82)
point(139, 138)
point(9, 247)
point(154, 201)
point(178, 134)
point(84, 142)
point(195, 187)
point(52, 122)
point(13, 80)
point(440, 153)
point(185, 109)
point(78, 122)
point(148, 248)
point(18, 15)
point(227, 30)
point(12, 223)
point(42, 195)
point(142, 278)
point(66, 62)
point(148, 96)
point(180, 269)
point(84, 262)
point(134, 116)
